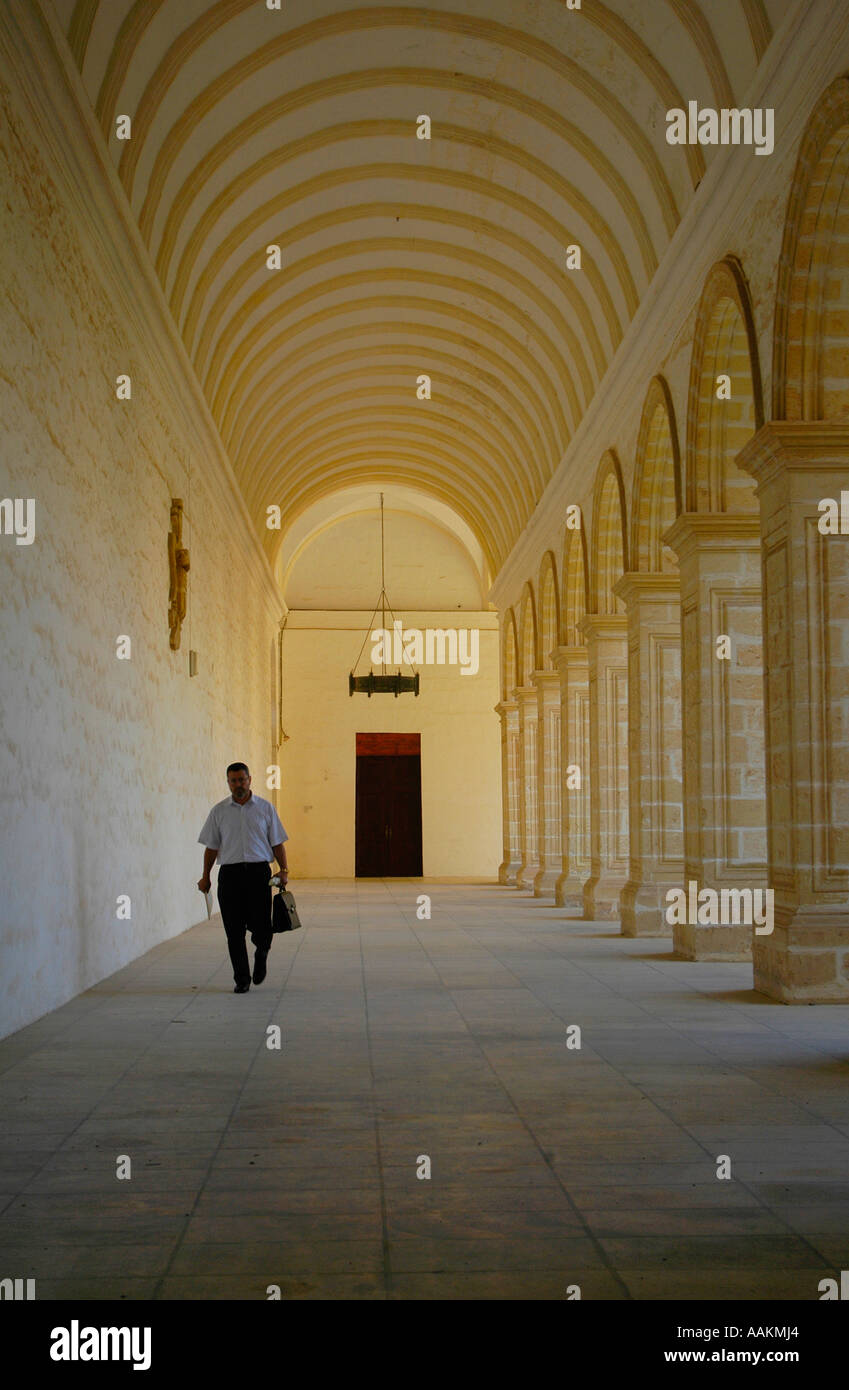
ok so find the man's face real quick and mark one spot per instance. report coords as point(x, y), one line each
point(239, 784)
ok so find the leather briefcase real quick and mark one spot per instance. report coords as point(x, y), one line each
point(284, 913)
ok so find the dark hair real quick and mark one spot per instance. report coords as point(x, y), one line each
point(238, 767)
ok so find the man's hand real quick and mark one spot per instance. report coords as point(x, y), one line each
point(209, 858)
point(280, 856)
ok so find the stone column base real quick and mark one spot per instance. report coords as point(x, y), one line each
point(526, 875)
point(712, 943)
point(545, 883)
point(601, 898)
point(806, 961)
point(569, 893)
point(643, 907)
point(508, 870)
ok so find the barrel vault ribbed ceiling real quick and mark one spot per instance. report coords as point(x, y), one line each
point(401, 256)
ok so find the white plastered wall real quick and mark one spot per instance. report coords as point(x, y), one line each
point(460, 742)
point(332, 586)
point(107, 767)
point(425, 565)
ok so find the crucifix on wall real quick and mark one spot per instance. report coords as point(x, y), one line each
point(178, 566)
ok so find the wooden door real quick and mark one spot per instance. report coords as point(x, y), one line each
point(389, 806)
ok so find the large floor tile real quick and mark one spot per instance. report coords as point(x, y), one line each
point(549, 1166)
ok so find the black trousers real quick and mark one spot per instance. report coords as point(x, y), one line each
point(244, 896)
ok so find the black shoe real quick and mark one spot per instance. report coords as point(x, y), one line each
point(259, 966)
point(242, 989)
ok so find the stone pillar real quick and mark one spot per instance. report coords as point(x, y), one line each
point(722, 720)
point(806, 619)
point(548, 782)
point(607, 661)
point(508, 714)
point(655, 804)
point(528, 704)
point(571, 663)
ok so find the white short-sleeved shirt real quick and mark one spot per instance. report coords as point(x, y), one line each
point(243, 834)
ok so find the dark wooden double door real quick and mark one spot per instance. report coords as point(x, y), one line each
point(389, 806)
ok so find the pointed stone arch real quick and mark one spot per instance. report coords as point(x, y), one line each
point(609, 538)
point(725, 344)
point(528, 635)
point(605, 632)
point(528, 711)
point(800, 459)
point(509, 655)
point(652, 595)
point(810, 380)
point(658, 492)
point(508, 712)
point(718, 544)
point(549, 610)
point(547, 681)
point(575, 725)
point(573, 605)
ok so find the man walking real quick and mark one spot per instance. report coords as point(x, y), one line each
point(244, 833)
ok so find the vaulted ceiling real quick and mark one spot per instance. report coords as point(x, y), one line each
point(403, 256)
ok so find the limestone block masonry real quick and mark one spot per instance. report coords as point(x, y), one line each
point(607, 660)
point(508, 714)
point(722, 717)
point(528, 702)
point(549, 783)
point(571, 662)
point(655, 818)
point(806, 606)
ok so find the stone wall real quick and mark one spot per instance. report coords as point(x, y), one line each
point(107, 766)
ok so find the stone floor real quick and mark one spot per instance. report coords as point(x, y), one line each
point(550, 1166)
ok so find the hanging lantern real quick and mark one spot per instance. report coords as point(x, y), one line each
point(383, 685)
point(383, 682)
